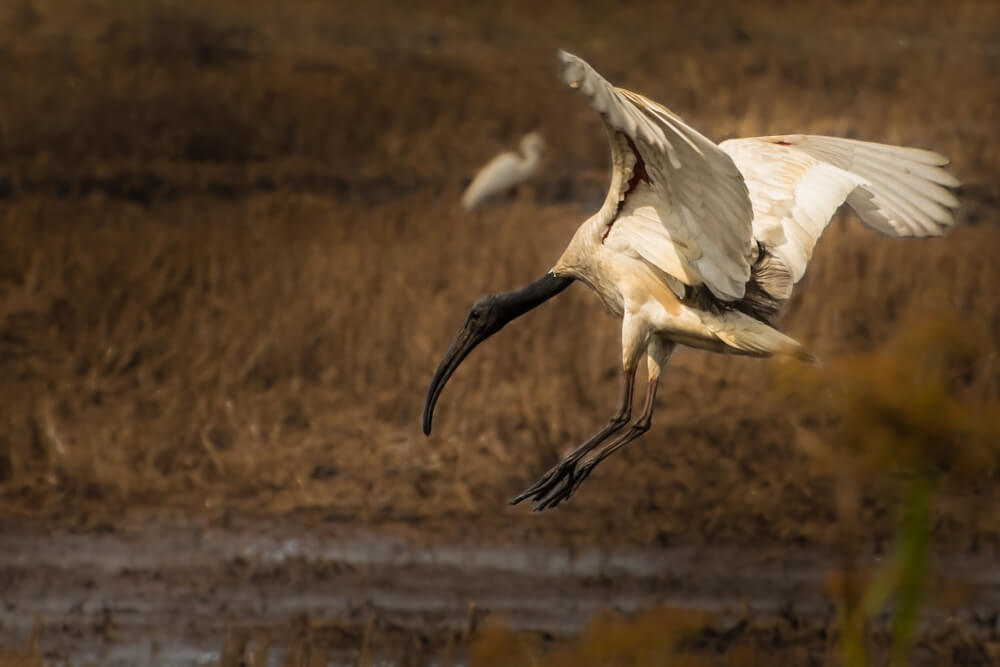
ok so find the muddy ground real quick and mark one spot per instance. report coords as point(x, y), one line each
point(233, 254)
point(167, 592)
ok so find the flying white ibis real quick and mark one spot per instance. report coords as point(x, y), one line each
point(505, 170)
point(699, 244)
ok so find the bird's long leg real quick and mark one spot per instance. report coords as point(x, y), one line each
point(659, 353)
point(565, 467)
point(635, 341)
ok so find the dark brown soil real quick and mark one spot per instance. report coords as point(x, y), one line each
point(169, 592)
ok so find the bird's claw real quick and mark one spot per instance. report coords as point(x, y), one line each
point(557, 485)
point(544, 482)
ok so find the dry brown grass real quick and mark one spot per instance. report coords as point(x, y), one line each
point(232, 257)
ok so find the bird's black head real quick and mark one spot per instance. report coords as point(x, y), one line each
point(488, 316)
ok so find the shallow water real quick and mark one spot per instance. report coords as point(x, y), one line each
point(165, 593)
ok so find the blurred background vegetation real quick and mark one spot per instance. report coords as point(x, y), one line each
point(233, 253)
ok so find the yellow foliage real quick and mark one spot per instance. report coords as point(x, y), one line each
point(903, 406)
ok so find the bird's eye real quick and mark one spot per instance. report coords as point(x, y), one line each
point(473, 315)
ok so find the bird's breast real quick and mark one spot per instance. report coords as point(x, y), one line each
point(609, 294)
point(596, 269)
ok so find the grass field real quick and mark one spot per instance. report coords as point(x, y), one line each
point(233, 254)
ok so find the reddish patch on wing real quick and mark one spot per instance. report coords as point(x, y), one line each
point(639, 175)
point(639, 172)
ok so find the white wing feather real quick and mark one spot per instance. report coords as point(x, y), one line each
point(692, 219)
point(906, 191)
point(702, 208)
point(797, 183)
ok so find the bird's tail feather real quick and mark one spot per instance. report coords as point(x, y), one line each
point(747, 335)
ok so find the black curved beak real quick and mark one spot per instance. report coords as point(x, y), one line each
point(486, 318)
point(469, 337)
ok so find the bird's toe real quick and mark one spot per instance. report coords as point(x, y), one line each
point(563, 488)
point(546, 484)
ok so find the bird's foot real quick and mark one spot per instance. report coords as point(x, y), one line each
point(558, 484)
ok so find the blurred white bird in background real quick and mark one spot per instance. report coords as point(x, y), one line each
point(505, 170)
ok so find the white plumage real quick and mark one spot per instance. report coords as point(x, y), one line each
point(714, 203)
point(797, 182)
point(505, 171)
point(699, 244)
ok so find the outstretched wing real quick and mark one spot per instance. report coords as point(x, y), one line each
point(676, 200)
point(797, 182)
